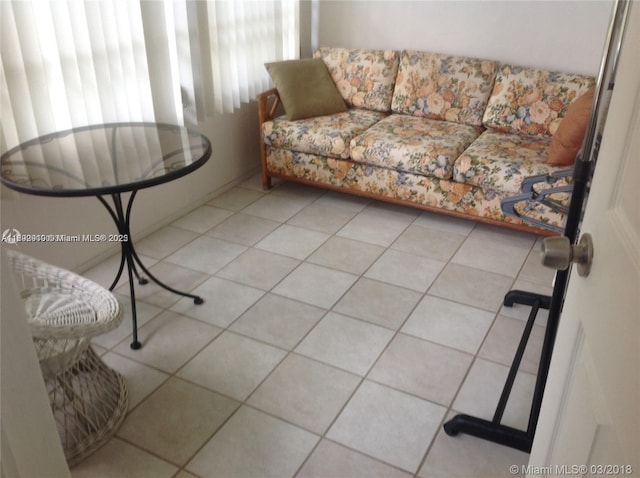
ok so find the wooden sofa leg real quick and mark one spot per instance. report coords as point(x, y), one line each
point(266, 181)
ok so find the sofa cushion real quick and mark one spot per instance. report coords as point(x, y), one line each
point(326, 135)
point(569, 136)
point(500, 161)
point(305, 88)
point(364, 179)
point(443, 87)
point(365, 78)
point(413, 145)
point(532, 101)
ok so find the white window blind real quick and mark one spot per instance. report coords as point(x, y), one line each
point(72, 63)
point(243, 35)
point(68, 64)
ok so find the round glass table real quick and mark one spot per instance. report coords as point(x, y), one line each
point(108, 160)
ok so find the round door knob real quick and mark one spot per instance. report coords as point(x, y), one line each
point(558, 253)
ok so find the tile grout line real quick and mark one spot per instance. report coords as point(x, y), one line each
point(291, 351)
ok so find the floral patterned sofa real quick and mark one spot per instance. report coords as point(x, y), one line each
point(439, 132)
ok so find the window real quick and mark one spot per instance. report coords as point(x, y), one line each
point(67, 64)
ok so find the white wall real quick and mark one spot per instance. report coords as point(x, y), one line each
point(559, 35)
point(30, 446)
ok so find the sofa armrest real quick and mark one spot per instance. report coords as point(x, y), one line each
point(268, 102)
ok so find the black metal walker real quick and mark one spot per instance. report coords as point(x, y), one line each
point(493, 430)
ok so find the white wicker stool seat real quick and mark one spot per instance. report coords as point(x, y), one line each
point(64, 311)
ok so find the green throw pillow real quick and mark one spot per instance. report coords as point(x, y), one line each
point(306, 88)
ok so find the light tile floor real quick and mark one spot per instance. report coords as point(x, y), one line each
point(336, 337)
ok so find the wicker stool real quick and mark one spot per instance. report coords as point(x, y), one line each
point(89, 400)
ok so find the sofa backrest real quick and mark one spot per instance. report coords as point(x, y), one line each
point(445, 87)
point(532, 101)
point(365, 78)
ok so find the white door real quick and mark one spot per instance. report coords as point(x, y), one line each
point(590, 417)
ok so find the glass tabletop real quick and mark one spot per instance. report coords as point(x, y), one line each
point(104, 159)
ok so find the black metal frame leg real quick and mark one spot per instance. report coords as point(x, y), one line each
point(130, 258)
point(493, 430)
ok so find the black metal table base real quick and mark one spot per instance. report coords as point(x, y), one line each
point(493, 430)
point(130, 258)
